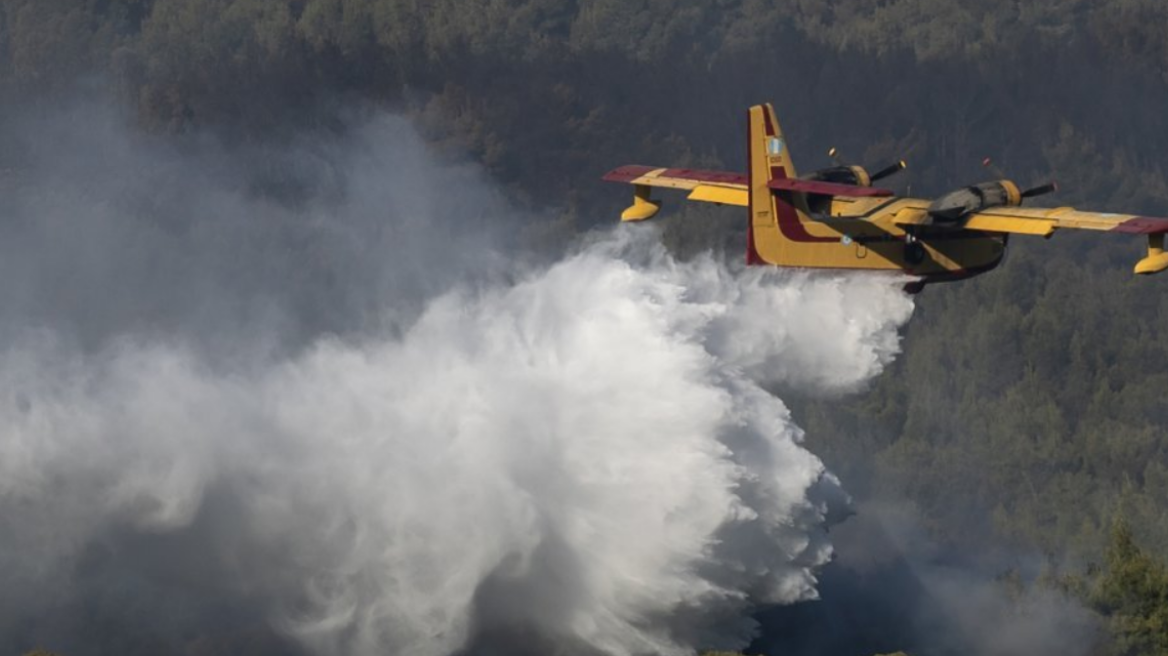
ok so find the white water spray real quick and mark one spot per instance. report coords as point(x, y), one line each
point(585, 455)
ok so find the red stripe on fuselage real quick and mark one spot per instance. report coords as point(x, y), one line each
point(752, 256)
point(790, 224)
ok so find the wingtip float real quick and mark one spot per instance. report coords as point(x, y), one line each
point(835, 218)
point(1156, 260)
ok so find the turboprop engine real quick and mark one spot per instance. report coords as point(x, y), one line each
point(856, 176)
point(954, 205)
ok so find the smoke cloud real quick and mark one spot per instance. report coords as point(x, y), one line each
point(348, 424)
point(891, 587)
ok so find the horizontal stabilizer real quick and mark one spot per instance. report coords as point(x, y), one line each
point(826, 188)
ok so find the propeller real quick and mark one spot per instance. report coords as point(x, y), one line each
point(988, 163)
point(889, 170)
point(1040, 190)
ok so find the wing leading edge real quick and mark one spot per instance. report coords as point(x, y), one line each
point(1045, 221)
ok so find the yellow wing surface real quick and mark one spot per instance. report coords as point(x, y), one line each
point(1045, 221)
point(723, 187)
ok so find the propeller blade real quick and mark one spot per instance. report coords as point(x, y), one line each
point(889, 170)
point(988, 163)
point(1040, 190)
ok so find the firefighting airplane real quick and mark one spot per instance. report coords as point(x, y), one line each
point(835, 218)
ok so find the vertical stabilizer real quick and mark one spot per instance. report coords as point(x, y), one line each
point(766, 136)
point(768, 159)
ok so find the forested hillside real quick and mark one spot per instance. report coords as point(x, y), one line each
point(1028, 408)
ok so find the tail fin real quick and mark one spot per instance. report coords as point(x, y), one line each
point(766, 140)
point(768, 159)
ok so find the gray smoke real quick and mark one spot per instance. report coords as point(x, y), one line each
point(109, 232)
point(891, 587)
point(347, 424)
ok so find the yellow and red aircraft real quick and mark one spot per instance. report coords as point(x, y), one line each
point(835, 218)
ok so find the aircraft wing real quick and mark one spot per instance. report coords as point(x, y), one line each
point(722, 187)
point(1037, 220)
point(1044, 221)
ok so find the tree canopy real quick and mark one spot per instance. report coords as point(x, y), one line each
point(1027, 406)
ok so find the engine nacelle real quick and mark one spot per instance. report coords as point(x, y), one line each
point(856, 176)
point(954, 205)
